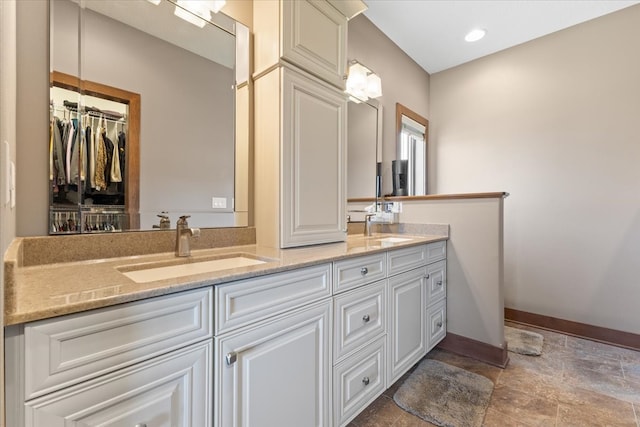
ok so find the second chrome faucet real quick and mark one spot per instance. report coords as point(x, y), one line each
point(183, 234)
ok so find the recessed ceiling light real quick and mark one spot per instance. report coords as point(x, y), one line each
point(475, 35)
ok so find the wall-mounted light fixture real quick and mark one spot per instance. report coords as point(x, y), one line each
point(197, 12)
point(362, 83)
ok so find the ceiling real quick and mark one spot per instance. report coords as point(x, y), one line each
point(432, 31)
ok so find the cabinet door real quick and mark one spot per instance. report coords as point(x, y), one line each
point(171, 390)
point(276, 374)
point(313, 198)
point(407, 327)
point(314, 37)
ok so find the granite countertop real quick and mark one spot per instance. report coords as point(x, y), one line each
point(43, 291)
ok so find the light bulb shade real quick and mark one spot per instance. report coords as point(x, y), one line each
point(374, 86)
point(357, 79)
point(362, 84)
point(216, 5)
point(196, 12)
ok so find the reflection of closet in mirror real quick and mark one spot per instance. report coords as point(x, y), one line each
point(363, 149)
point(93, 157)
point(187, 78)
point(410, 172)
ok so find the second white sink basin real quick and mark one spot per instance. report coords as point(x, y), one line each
point(144, 273)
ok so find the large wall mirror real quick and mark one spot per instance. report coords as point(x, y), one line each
point(364, 150)
point(409, 170)
point(192, 83)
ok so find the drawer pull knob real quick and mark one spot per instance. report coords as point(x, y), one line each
point(439, 324)
point(365, 381)
point(364, 271)
point(366, 318)
point(231, 358)
point(140, 425)
point(439, 283)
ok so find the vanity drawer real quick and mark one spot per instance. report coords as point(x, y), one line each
point(359, 316)
point(436, 323)
point(436, 281)
point(436, 251)
point(351, 273)
point(246, 301)
point(63, 351)
point(358, 381)
point(401, 260)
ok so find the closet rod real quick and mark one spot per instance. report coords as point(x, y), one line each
point(95, 115)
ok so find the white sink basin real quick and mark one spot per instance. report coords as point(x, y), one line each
point(161, 270)
point(394, 240)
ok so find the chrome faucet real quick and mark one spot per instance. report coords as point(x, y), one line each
point(165, 224)
point(367, 223)
point(183, 232)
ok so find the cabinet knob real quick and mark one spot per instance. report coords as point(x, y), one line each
point(365, 381)
point(439, 283)
point(231, 358)
point(439, 324)
point(140, 425)
point(364, 271)
point(366, 318)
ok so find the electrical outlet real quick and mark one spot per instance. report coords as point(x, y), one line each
point(219, 203)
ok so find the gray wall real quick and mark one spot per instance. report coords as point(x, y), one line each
point(555, 123)
point(403, 81)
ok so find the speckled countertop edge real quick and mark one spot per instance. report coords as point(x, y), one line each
point(45, 291)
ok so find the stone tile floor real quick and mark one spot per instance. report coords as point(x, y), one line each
point(575, 382)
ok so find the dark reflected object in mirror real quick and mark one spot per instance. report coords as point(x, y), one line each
point(411, 147)
point(399, 172)
point(378, 180)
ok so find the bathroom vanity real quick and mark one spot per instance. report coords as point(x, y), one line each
point(305, 336)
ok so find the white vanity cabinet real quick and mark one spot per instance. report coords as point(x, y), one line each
point(311, 34)
point(301, 121)
point(170, 390)
point(314, 141)
point(276, 373)
point(389, 311)
point(147, 362)
point(273, 350)
point(359, 332)
point(407, 326)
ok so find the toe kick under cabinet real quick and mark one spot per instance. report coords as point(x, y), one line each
point(312, 346)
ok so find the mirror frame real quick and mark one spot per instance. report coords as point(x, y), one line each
point(401, 110)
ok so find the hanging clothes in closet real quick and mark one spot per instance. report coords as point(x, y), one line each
point(87, 155)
